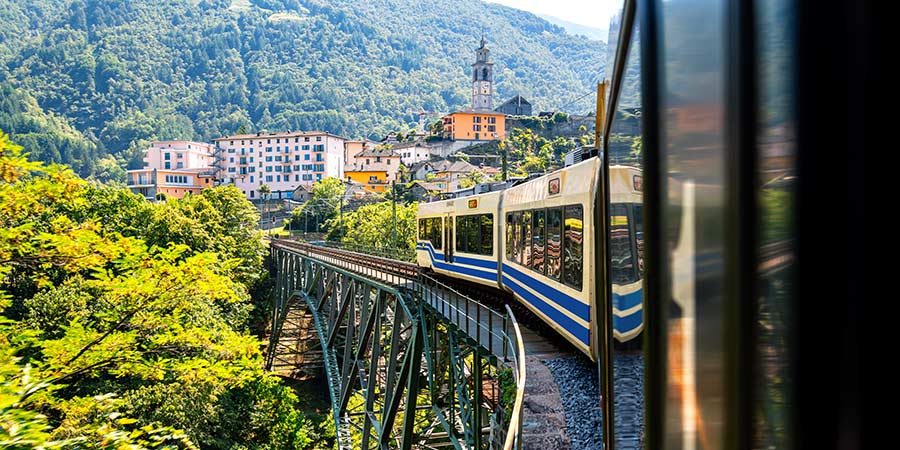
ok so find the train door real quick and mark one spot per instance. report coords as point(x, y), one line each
point(448, 238)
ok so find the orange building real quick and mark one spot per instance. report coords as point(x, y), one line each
point(475, 125)
point(373, 180)
point(174, 183)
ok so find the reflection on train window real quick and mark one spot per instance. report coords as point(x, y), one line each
point(534, 240)
point(638, 220)
point(487, 234)
point(422, 232)
point(526, 239)
point(554, 242)
point(574, 245)
point(621, 262)
point(516, 231)
point(436, 233)
point(537, 249)
point(473, 236)
point(461, 234)
point(510, 241)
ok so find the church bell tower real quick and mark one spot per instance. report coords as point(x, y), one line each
point(482, 79)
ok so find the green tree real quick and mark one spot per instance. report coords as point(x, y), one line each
point(110, 341)
point(472, 178)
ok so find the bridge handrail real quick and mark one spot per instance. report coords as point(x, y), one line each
point(402, 254)
point(514, 431)
point(510, 336)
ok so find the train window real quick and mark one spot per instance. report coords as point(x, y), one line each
point(538, 238)
point(516, 232)
point(426, 229)
point(460, 234)
point(574, 245)
point(473, 240)
point(554, 242)
point(487, 234)
point(525, 239)
point(621, 261)
point(437, 233)
point(638, 221)
point(422, 233)
point(510, 225)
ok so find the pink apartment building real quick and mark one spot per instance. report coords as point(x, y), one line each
point(282, 161)
point(173, 168)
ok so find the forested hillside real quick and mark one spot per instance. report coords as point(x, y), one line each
point(97, 78)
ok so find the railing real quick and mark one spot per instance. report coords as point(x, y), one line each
point(497, 333)
point(402, 254)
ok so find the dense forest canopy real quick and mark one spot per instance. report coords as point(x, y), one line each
point(99, 79)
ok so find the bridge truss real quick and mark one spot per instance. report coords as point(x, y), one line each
point(410, 363)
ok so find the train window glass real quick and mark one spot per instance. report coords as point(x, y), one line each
point(554, 242)
point(537, 248)
point(421, 229)
point(437, 236)
point(625, 307)
point(460, 234)
point(776, 170)
point(516, 232)
point(510, 226)
point(525, 239)
point(473, 240)
point(638, 219)
point(573, 252)
point(621, 262)
point(487, 234)
point(426, 227)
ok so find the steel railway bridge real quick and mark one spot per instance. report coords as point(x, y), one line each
point(409, 361)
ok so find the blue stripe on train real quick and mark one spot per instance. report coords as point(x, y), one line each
point(567, 302)
point(461, 269)
point(628, 301)
point(574, 328)
point(622, 302)
point(492, 265)
point(628, 323)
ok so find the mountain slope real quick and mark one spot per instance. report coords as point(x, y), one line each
point(123, 72)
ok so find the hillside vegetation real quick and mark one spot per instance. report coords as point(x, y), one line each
point(98, 78)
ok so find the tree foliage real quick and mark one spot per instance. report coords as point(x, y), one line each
point(122, 321)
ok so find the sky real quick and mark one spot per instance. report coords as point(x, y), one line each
point(591, 13)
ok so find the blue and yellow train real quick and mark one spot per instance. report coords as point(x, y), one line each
point(531, 240)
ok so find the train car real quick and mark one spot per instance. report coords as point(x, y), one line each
point(458, 237)
point(626, 250)
point(547, 255)
point(533, 241)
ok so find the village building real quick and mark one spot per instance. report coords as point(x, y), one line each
point(173, 169)
point(282, 161)
point(516, 106)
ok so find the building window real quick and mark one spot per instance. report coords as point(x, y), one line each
point(305, 157)
point(168, 165)
point(306, 147)
point(318, 138)
point(167, 156)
